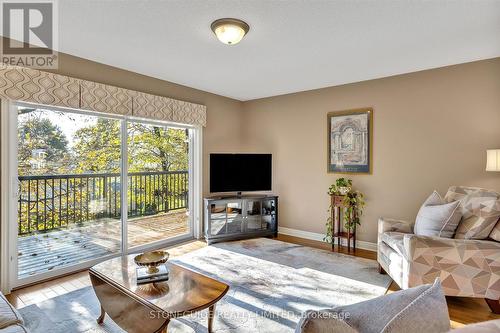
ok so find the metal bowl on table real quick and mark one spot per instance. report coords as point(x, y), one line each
point(151, 260)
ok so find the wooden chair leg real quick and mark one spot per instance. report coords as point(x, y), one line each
point(381, 270)
point(494, 305)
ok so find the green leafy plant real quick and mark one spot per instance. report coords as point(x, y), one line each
point(353, 202)
point(342, 182)
point(329, 227)
point(335, 189)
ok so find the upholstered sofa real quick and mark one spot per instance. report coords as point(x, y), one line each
point(467, 264)
point(10, 320)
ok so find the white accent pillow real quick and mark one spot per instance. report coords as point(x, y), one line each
point(438, 218)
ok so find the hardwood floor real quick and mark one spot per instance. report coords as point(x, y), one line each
point(462, 310)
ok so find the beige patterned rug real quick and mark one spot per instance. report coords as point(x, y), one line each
point(272, 283)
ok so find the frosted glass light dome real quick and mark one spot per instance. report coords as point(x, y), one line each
point(230, 31)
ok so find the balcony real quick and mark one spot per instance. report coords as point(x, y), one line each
point(67, 219)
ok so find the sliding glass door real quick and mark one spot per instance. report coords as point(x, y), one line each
point(74, 169)
point(158, 183)
point(69, 189)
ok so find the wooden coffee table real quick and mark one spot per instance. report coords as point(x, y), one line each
point(149, 308)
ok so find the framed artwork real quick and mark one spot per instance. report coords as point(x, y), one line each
point(350, 141)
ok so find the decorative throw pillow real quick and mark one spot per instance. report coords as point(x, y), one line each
point(480, 209)
point(428, 312)
point(437, 218)
point(415, 310)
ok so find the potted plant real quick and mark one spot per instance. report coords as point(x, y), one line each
point(341, 187)
point(353, 202)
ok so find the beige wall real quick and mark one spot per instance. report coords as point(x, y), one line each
point(223, 131)
point(431, 130)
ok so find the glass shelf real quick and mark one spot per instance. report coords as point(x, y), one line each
point(233, 218)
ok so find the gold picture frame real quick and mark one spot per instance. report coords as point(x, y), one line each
point(350, 141)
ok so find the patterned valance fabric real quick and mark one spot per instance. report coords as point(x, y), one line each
point(103, 98)
point(35, 86)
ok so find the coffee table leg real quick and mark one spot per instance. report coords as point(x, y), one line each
point(163, 329)
point(211, 315)
point(100, 320)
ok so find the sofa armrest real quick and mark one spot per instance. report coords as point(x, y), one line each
point(466, 267)
point(8, 314)
point(387, 224)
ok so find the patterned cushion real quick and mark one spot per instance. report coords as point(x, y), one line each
point(480, 210)
point(466, 267)
point(495, 233)
point(8, 314)
point(438, 218)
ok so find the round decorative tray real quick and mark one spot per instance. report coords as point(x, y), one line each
point(152, 260)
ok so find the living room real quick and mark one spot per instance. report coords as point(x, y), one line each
point(307, 166)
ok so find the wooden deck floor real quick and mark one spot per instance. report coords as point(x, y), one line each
point(48, 251)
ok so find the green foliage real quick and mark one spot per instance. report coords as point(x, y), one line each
point(97, 147)
point(340, 184)
point(39, 134)
point(329, 227)
point(353, 202)
point(153, 148)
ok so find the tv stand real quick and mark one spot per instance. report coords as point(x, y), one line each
point(239, 217)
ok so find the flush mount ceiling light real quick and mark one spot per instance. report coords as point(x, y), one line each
point(230, 31)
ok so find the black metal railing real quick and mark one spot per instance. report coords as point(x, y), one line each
point(48, 202)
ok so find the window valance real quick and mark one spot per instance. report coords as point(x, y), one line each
point(35, 86)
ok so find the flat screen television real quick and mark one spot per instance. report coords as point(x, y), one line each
point(240, 172)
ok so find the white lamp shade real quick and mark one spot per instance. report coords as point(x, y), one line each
point(493, 160)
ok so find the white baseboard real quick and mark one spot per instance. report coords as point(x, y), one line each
point(319, 237)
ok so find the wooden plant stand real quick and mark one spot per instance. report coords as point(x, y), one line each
point(338, 211)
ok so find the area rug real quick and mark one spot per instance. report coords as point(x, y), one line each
point(271, 284)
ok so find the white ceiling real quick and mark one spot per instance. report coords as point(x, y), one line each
point(292, 45)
